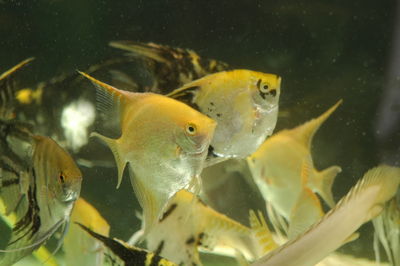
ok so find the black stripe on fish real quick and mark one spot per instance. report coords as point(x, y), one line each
point(131, 256)
point(168, 212)
point(8, 168)
point(159, 248)
point(9, 182)
point(200, 238)
point(190, 240)
point(155, 260)
point(31, 217)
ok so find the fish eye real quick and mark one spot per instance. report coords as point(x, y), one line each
point(264, 88)
point(191, 129)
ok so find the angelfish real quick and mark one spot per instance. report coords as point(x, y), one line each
point(244, 103)
point(188, 224)
point(170, 67)
point(164, 141)
point(283, 169)
point(362, 203)
point(41, 194)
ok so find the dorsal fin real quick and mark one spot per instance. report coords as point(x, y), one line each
point(305, 132)
point(110, 100)
point(146, 50)
point(16, 67)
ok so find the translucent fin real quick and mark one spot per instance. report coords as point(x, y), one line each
point(142, 49)
point(305, 132)
point(278, 222)
point(305, 213)
point(261, 232)
point(21, 248)
point(323, 182)
point(112, 144)
point(187, 92)
point(151, 205)
point(109, 100)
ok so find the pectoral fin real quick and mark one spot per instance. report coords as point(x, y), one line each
point(112, 144)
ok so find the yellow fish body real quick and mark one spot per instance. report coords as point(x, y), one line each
point(187, 224)
point(362, 203)
point(79, 247)
point(164, 141)
point(41, 196)
point(244, 103)
point(283, 169)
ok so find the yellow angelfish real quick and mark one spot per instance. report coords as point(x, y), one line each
point(164, 141)
point(244, 103)
point(40, 193)
point(283, 170)
point(79, 247)
point(362, 203)
point(188, 224)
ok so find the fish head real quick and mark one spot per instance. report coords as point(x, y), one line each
point(265, 89)
point(69, 180)
point(194, 132)
point(57, 170)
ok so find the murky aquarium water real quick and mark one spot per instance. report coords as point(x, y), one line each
point(199, 132)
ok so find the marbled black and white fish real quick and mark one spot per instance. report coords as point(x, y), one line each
point(119, 253)
point(188, 224)
point(169, 67)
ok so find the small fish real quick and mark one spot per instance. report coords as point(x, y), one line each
point(7, 90)
point(362, 203)
point(170, 67)
point(120, 253)
point(188, 224)
point(40, 193)
point(244, 103)
point(283, 169)
point(387, 231)
point(164, 141)
point(79, 247)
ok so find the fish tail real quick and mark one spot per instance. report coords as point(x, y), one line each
point(113, 145)
point(323, 183)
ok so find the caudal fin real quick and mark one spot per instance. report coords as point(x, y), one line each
point(112, 144)
point(323, 183)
